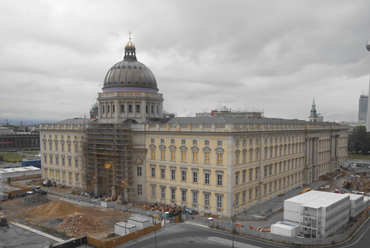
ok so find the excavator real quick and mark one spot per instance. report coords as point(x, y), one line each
point(347, 184)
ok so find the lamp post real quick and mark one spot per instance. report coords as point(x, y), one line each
point(234, 222)
point(155, 232)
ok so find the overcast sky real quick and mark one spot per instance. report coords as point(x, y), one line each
point(274, 56)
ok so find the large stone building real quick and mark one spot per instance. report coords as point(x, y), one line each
point(129, 150)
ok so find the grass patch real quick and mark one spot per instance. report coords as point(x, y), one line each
point(31, 153)
point(358, 156)
point(11, 157)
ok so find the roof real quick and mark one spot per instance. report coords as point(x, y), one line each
point(355, 196)
point(317, 199)
point(20, 169)
point(234, 120)
point(126, 225)
point(138, 219)
point(75, 121)
point(285, 225)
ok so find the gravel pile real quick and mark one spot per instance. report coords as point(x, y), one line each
point(80, 225)
point(34, 200)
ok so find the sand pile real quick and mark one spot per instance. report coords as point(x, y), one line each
point(34, 200)
point(79, 225)
point(56, 209)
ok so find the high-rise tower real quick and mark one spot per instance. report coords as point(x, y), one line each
point(362, 107)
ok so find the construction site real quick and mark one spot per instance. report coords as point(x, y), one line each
point(109, 161)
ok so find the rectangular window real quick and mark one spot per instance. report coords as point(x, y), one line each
point(173, 194)
point(265, 189)
point(265, 172)
point(139, 188)
point(183, 176)
point(244, 176)
point(195, 177)
point(163, 173)
point(173, 155)
point(183, 156)
point(250, 194)
point(219, 158)
point(163, 192)
point(270, 170)
point(153, 172)
point(206, 142)
point(130, 108)
point(237, 200)
point(122, 108)
point(219, 180)
point(206, 178)
point(152, 109)
point(63, 161)
point(56, 160)
point(219, 143)
point(206, 199)
point(137, 108)
point(256, 191)
point(76, 162)
point(244, 197)
point(183, 196)
point(219, 201)
point(236, 179)
point(195, 197)
point(113, 108)
point(51, 159)
point(206, 157)
point(69, 161)
point(139, 171)
point(162, 155)
point(183, 142)
point(153, 153)
point(173, 175)
point(194, 142)
point(45, 159)
point(172, 141)
point(250, 175)
point(153, 191)
point(195, 157)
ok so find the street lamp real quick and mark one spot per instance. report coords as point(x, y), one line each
point(155, 232)
point(234, 222)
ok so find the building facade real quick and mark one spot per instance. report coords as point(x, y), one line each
point(214, 165)
point(362, 107)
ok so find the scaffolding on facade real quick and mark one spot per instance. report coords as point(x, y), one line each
point(109, 160)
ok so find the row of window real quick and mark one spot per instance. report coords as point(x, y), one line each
point(183, 142)
point(61, 176)
point(62, 160)
point(194, 177)
point(271, 139)
point(62, 145)
point(184, 195)
point(131, 108)
point(183, 155)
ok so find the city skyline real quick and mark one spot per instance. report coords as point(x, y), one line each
point(241, 55)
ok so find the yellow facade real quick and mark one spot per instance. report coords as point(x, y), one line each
point(212, 168)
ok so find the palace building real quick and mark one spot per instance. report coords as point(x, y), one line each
point(128, 150)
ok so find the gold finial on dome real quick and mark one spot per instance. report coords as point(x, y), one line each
point(129, 35)
point(129, 43)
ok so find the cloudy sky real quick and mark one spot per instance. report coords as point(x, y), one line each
point(274, 56)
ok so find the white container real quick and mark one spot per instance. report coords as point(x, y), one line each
point(140, 223)
point(123, 228)
point(285, 229)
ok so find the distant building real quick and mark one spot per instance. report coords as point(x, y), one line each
point(314, 116)
point(225, 112)
point(362, 107)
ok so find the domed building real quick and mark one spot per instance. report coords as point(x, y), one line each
point(130, 92)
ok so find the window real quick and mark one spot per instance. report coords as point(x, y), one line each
point(219, 143)
point(206, 142)
point(173, 194)
point(206, 199)
point(244, 177)
point(237, 179)
point(250, 175)
point(130, 108)
point(244, 197)
point(194, 142)
point(153, 171)
point(270, 170)
point(108, 108)
point(103, 108)
point(251, 142)
point(183, 142)
point(237, 158)
point(51, 158)
point(152, 141)
point(162, 141)
point(195, 197)
point(56, 159)
point(163, 192)
point(69, 161)
point(183, 156)
point(256, 192)
point(172, 155)
point(206, 178)
point(237, 142)
point(256, 173)
point(219, 180)
point(173, 174)
point(195, 157)
point(206, 157)
point(244, 142)
point(122, 108)
point(219, 201)
point(183, 195)
point(172, 141)
point(137, 108)
point(237, 200)
point(195, 177)
point(265, 189)
point(152, 109)
point(139, 171)
point(250, 194)
point(113, 108)
point(265, 172)
point(153, 191)
point(163, 173)
point(219, 158)
point(183, 175)
point(162, 155)
point(139, 188)
point(45, 158)
point(153, 153)
point(76, 162)
point(63, 161)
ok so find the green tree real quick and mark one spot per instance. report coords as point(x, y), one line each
point(1, 159)
point(359, 140)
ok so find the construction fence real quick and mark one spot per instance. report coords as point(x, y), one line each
point(123, 239)
point(20, 185)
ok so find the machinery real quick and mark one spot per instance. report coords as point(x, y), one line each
point(49, 183)
point(347, 184)
point(3, 222)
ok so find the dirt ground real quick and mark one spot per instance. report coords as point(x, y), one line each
point(56, 208)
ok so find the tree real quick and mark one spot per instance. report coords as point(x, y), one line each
point(1, 159)
point(359, 140)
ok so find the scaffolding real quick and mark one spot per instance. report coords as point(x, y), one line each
point(109, 160)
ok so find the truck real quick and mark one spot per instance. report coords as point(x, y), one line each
point(48, 183)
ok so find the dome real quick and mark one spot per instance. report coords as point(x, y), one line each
point(130, 73)
point(94, 106)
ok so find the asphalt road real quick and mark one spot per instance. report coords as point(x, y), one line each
point(188, 235)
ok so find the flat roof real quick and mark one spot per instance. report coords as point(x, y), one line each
point(138, 219)
point(285, 225)
point(316, 199)
point(355, 196)
point(125, 225)
point(19, 169)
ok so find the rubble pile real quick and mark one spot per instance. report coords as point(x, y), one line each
point(79, 225)
point(34, 200)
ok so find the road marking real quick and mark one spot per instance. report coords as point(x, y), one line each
point(38, 232)
point(229, 242)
